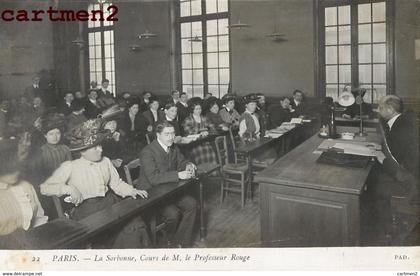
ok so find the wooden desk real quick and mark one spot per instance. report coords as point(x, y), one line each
point(305, 203)
point(356, 122)
point(249, 149)
point(109, 217)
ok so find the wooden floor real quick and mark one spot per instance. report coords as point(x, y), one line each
point(229, 225)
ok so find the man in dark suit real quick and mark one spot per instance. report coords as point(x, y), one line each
point(297, 103)
point(153, 114)
point(397, 171)
point(279, 114)
point(34, 90)
point(65, 106)
point(182, 107)
point(92, 107)
point(162, 162)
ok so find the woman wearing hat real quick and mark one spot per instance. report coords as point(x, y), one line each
point(198, 124)
point(92, 183)
point(249, 125)
point(228, 113)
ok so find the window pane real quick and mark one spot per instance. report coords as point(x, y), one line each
point(331, 55)
point(198, 60)
point(365, 53)
point(211, 6)
point(98, 51)
point(331, 91)
point(195, 7)
point(212, 60)
point(92, 65)
point(223, 24)
point(222, 5)
point(331, 74)
point(365, 33)
point(186, 61)
point(91, 39)
point(107, 39)
point(345, 73)
point(108, 51)
point(98, 64)
point(223, 90)
point(196, 28)
point(197, 47)
point(188, 89)
point(330, 35)
point(379, 12)
point(344, 15)
point(213, 76)
point(344, 54)
point(187, 76)
point(212, 44)
point(224, 43)
point(344, 35)
point(212, 27)
point(379, 53)
point(224, 76)
point(108, 64)
point(186, 46)
point(378, 92)
point(330, 16)
point(214, 89)
point(91, 52)
point(185, 30)
point(198, 76)
point(365, 74)
point(379, 73)
point(379, 32)
point(185, 8)
point(364, 11)
point(198, 90)
point(224, 59)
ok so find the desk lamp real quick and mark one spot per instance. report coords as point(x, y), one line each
point(356, 96)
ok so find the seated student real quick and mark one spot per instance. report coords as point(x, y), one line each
point(353, 111)
point(229, 115)
point(113, 146)
point(77, 116)
point(298, 104)
point(182, 106)
point(20, 208)
point(262, 113)
point(88, 180)
point(162, 162)
point(249, 125)
point(79, 95)
point(144, 103)
point(92, 107)
point(133, 126)
point(171, 112)
point(153, 114)
point(279, 113)
point(65, 106)
point(198, 124)
point(105, 97)
point(213, 116)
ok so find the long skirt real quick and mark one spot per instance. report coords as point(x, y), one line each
point(132, 234)
point(204, 153)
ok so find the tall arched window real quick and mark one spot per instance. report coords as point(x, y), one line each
point(101, 48)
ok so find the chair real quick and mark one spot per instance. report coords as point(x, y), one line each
point(229, 170)
point(154, 227)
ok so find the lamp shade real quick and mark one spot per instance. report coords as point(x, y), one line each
point(346, 99)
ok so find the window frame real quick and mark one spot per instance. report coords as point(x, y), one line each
point(102, 29)
point(319, 51)
point(203, 18)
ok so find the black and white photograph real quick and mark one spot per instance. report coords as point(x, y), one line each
point(170, 130)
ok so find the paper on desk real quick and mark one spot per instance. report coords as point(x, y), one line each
point(355, 149)
point(296, 120)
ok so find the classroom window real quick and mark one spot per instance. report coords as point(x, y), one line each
point(205, 54)
point(101, 48)
point(354, 48)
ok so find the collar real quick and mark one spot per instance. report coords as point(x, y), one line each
point(153, 111)
point(227, 109)
point(164, 147)
point(297, 103)
point(167, 119)
point(92, 101)
point(249, 112)
point(90, 162)
point(392, 120)
point(184, 104)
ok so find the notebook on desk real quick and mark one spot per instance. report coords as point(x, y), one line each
point(343, 159)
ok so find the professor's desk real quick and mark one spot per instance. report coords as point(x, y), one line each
point(305, 203)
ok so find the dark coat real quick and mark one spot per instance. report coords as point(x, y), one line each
point(92, 111)
point(299, 110)
point(182, 112)
point(278, 115)
point(140, 127)
point(150, 119)
point(64, 109)
point(403, 142)
point(158, 167)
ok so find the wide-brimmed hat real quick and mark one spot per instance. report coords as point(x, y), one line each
point(111, 112)
point(250, 98)
point(52, 121)
point(88, 134)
